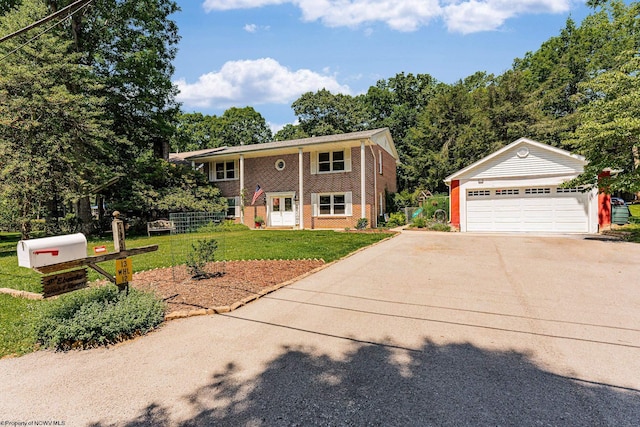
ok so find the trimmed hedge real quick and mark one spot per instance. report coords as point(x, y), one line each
point(97, 316)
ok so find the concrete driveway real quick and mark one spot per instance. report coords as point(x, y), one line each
point(423, 329)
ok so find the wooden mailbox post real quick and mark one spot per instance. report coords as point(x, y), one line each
point(67, 281)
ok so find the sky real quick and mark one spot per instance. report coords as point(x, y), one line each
point(266, 53)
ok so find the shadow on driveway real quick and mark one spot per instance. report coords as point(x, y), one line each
point(452, 385)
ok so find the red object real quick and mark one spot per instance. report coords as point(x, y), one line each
point(53, 252)
point(455, 203)
point(99, 249)
point(604, 204)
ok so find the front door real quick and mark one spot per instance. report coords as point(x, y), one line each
point(282, 210)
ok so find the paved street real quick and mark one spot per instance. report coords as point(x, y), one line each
point(423, 329)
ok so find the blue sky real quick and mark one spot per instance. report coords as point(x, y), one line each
point(266, 53)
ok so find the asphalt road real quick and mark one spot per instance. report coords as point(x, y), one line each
point(424, 329)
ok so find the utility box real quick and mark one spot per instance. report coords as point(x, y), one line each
point(35, 253)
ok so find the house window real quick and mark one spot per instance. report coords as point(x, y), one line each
point(224, 171)
point(232, 208)
point(331, 204)
point(331, 161)
point(380, 162)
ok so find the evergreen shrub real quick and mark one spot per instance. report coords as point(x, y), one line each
point(97, 316)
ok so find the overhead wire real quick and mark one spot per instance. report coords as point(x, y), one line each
point(85, 5)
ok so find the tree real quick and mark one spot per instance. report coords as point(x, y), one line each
point(242, 126)
point(609, 131)
point(130, 46)
point(196, 131)
point(323, 113)
point(53, 131)
point(7, 5)
point(289, 132)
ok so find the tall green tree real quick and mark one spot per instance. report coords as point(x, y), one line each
point(53, 128)
point(236, 126)
point(244, 126)
point(323, 113)
point(130, 46)
point(609, 132)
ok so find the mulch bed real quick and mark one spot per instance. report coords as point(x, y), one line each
point(240, 280)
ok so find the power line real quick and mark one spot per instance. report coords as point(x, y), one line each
point(84, 4)
point(71, 9)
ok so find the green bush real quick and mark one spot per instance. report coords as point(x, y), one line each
point(396, 219)
point(97, 316)
point(438, 226)
point(419, 222)
point(362, 224)
point(202, 252)
point(227, 225)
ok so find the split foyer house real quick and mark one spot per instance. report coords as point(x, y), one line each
point(319, 182)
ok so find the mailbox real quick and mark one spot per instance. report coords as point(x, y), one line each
point(35, 253)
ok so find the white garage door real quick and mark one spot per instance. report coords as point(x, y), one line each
point(546, 209)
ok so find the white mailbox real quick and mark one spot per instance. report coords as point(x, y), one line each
point(51, 250)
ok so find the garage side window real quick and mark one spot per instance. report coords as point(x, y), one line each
point(478, 193)
point(537, 191)
point(509, 192)
point(568, 190)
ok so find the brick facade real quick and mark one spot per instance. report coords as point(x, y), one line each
point(261, 168)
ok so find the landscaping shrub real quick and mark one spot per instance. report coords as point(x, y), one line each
point(438, 226)
point(202, 252)
point(419, 222)
point(396, 219)
point(362, 224)
point(227, 225)
point(97, 316)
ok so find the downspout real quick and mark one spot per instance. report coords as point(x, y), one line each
point(363, 176)
point(241, 188)
point(300, 189)
point(375, 190)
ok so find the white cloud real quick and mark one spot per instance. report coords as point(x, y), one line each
point(254, 82)
point(472, 16)
point(464, 16)
point(253, 28)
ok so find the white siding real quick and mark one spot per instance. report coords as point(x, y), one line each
point(537, 162)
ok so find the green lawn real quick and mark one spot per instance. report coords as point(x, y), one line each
point(15, 314)
point(635, 210)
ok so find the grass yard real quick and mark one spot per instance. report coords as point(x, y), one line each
point(16, 335)
point(635, 210)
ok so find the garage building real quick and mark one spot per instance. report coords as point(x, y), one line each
point(519, 189)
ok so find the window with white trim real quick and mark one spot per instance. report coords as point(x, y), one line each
point(508, 192)
point(233, 207)
point(331, 161)
point(477, 193)
point(332, 204)
point(537, 190)
point(224, 171)
point(380, 162)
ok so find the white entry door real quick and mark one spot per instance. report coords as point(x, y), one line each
point(282, 210)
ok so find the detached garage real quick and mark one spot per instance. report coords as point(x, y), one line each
point(518, 189)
